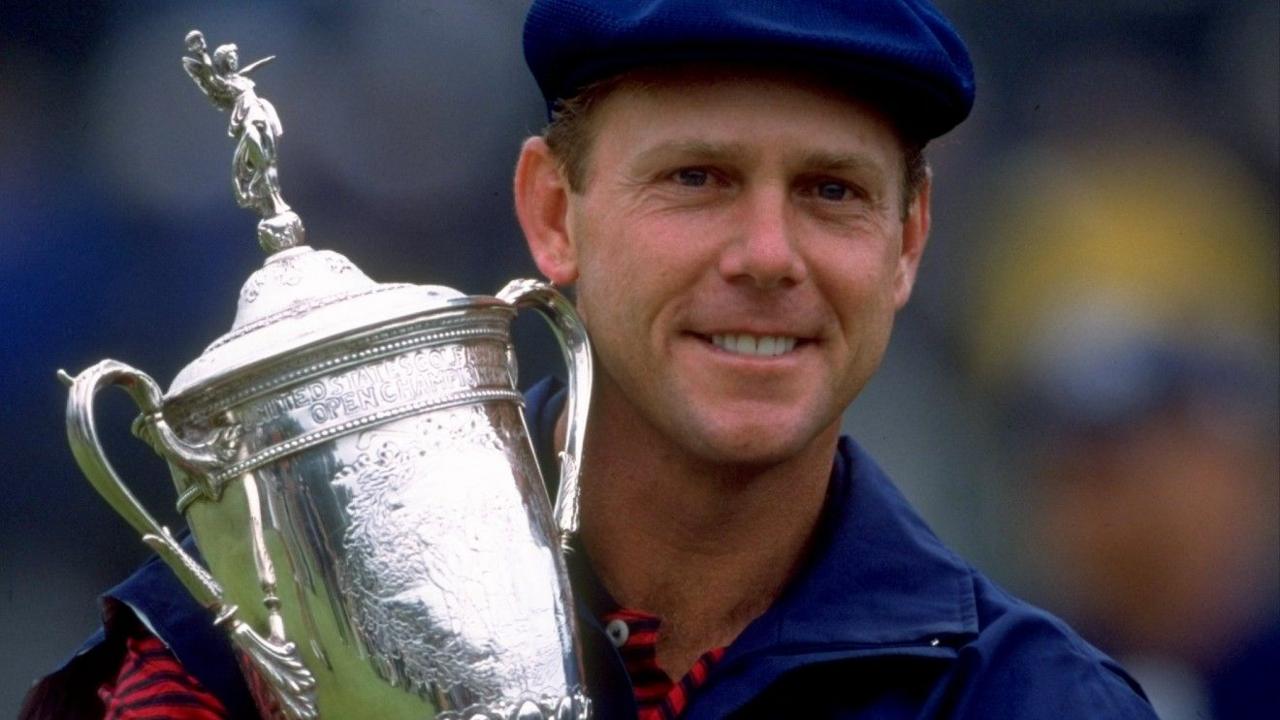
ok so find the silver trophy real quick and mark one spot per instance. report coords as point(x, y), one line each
point(355, 469)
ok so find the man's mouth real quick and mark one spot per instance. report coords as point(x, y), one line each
point(755, 345)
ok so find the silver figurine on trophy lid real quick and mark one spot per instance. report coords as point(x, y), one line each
point(353, 463)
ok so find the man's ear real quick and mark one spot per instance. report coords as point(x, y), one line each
point(542, 204)
point(915, 235)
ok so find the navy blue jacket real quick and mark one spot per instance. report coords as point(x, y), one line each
point(882, 622)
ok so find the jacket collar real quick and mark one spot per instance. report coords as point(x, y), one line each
point(877, 577)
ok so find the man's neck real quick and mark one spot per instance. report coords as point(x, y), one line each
point(707, 551)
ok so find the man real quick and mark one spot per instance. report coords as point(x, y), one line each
point(736, 191)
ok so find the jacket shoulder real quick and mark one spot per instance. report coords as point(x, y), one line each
point(154, 597)
point(1025, 663)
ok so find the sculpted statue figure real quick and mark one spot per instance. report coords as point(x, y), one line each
point(256, 129)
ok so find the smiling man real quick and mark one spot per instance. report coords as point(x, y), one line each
point(737, 193)
point(739, 249)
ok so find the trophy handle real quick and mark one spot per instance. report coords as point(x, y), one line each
point(572, 336)
point(290, 684)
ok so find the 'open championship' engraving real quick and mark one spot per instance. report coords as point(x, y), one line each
point(418, 375)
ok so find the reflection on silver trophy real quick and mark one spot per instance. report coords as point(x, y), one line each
point(357, 475)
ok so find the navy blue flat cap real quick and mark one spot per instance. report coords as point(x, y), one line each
point(901, 55)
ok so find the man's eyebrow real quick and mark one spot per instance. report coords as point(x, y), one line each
point(692, 148)
point(822, 161)
point(812, 161)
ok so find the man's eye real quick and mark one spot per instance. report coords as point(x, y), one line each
point(692, 177)
point(833, 191)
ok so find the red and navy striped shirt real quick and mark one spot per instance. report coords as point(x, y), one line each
point(152, 685)
point(658, 697)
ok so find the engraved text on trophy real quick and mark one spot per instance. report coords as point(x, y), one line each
point(427, 375)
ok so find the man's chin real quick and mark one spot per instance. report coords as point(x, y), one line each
point(760, 447)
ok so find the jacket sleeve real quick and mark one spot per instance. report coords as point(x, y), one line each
point(153, 598)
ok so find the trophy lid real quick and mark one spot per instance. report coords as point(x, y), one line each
point(301, 296)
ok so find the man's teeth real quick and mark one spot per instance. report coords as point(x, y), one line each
point(763, 346)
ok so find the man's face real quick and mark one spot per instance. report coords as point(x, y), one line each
point(739, 251)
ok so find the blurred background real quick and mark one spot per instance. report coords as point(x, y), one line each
point(1081, 397)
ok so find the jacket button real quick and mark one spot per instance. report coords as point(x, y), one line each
point(618, 632)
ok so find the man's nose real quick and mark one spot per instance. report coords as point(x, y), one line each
point(761, 248)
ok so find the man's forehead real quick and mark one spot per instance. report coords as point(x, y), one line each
point(658, 97)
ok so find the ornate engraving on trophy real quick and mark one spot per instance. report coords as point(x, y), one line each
point(430, 374)
point(279, 273)
point(290, 272)
point(433, 507)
